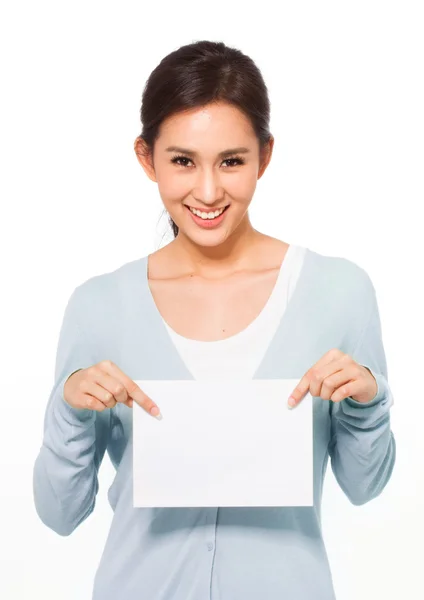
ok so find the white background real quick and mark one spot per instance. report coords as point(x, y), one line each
point(346, 179)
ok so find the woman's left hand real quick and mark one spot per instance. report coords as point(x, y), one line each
point(335, 377)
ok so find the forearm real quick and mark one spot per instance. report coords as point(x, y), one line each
point(65, 480)
point(362, 446)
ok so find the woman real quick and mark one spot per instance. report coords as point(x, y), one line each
point(221, 300)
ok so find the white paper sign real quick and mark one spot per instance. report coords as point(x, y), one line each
point(223, 443)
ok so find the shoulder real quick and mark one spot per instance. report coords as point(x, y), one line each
point(343, 293)
point(340, 276)
point(97, 292)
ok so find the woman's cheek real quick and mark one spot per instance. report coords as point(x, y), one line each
point(172, 188)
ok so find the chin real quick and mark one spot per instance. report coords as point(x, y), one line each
point(207, 239)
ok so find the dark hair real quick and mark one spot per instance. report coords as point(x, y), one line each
point(196, 75)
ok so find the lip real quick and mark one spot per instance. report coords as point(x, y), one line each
point(207, 210)
point(208, 223)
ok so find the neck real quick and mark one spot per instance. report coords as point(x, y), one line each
point(235, 252)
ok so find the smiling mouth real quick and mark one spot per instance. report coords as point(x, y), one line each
point(209, 215)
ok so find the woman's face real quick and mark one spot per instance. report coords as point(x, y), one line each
point(196, 165)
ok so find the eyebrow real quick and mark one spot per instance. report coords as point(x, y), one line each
point(240, 150)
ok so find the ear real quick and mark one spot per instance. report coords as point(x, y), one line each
point(144, 157)
point(265, 156)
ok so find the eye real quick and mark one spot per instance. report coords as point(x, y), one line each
point(175, 160)
point(234, 160)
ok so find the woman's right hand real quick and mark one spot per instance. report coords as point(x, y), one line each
point(104, 385)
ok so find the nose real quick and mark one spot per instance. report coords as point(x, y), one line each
point(208, 189)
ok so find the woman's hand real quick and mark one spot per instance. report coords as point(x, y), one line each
point(334, 377)
point(104, 385)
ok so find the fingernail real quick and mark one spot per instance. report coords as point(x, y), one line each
point(291, 402)
point(155, 412)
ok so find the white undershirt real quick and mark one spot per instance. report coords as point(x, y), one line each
point(240, 355)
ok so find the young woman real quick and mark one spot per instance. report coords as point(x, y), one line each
point(221, 300)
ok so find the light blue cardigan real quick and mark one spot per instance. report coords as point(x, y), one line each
point(212, 553)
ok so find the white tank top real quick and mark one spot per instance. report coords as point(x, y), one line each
point(238, 356)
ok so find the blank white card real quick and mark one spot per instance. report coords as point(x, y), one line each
point(223, 443)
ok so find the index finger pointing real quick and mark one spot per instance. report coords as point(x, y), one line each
point(132, 389)
point(303, 385)
point(143, 399)
point(299, 392)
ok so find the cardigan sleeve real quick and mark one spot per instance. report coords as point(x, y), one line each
point(362, 446)
point(65, 481)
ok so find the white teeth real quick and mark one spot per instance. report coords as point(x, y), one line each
point(204, 215)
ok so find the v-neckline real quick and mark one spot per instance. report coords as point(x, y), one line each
point(156, 317)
